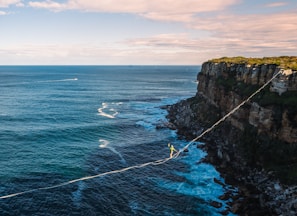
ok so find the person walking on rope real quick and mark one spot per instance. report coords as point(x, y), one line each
point(172, 149)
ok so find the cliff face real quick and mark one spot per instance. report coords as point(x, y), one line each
point(261, 134)
point(226, 85)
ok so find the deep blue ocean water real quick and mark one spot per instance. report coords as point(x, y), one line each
point(60, 123)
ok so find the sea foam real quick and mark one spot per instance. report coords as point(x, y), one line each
point(105, 144)
point(110, 113)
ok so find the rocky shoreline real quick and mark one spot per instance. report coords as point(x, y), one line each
point(259, 192)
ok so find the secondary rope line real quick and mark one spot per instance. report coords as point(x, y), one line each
point(155, 163)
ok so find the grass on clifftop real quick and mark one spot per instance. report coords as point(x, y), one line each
point(286, 62)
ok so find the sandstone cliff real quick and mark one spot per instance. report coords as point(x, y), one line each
point(273, 114)
point(266, 126)
point(260, 139)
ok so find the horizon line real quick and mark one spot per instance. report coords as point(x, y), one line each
point(115, 65)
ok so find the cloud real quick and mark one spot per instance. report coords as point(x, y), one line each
point(7, 3)
point(273, 26)
point(276, 4)
point(224, 34)
point(138, 6)
point(231, 35)
point(166, 41)
point(55, 6)
point(3, 13)
point(267, 31)
point(45, 54)
point(166, 10)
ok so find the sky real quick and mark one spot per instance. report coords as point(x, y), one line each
point(144, 32)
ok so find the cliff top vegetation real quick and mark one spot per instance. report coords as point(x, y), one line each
point(286, 62)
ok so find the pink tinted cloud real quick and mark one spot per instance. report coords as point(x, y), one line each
point(48, 4)
point(175, 41)
point(231, 35)
point(139, 6)
point(168, 10)
point(271, 29)
point(276, 4)
point(7, 3)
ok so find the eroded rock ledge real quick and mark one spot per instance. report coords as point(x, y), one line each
point(255, 148)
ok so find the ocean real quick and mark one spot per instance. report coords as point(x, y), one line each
point(60, 123)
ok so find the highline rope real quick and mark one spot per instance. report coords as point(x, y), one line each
point(156, 162)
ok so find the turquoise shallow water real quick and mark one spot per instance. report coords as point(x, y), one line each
point(60, 123)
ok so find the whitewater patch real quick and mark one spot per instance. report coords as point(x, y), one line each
point(149, 114)
point(199, 179)
point(108, 112)
point(105, 144)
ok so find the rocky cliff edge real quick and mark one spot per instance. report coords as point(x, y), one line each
point(256, 147)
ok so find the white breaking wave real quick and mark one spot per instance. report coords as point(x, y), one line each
point(105, 144)
point(112, 113)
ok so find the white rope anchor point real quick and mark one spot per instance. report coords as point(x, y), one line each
point(155, 163)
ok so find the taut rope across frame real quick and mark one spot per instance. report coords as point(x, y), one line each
point(157, 162)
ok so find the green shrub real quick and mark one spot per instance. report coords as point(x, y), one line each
point(266, 98)
point(263, 98)
point(286, 62)
point(228, 83)
point(272, 154)
point(245, 90)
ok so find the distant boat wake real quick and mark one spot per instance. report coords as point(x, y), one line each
point(40, 81)
point(61, 80)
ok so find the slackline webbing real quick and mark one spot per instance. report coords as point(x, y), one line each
point(157, 162)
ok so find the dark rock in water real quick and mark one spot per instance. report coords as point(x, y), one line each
point(165, 107)
point(218, 182)
point(216, 204)
point(162, 125)
point(225, 196)
point(186, 150)
point(225, 212)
